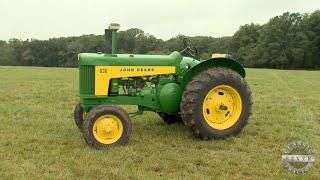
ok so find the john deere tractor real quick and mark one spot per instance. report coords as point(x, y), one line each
point(211, 97)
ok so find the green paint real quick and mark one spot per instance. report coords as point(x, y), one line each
point(147, 100)
point(114, 86)
point(170, 97)
point(162, 94)
point(86, 80)
point(215, 62)
point(130, 60)
point(114, 27)
point(114, 42)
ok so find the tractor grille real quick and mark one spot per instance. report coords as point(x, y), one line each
point(86, 80)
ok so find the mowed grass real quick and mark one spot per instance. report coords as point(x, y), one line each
point(38, 138)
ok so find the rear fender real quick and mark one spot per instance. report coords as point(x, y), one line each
point(210, 63)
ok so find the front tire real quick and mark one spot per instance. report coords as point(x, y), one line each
point(216, 104)
point(107, 126)
point(79, 115)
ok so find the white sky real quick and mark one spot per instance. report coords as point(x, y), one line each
point(43, 19)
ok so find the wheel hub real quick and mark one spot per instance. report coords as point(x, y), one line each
point(107, 129)
point(222, 107)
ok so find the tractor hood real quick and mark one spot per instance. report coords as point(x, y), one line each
point(129, 59)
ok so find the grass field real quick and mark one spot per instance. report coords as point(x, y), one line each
point(38, 138)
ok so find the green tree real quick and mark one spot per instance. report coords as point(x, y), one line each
point(244, 44)
point(7, 56)
point(282, 42)
point(288, 41)
point(311, 26)
point(27, 58)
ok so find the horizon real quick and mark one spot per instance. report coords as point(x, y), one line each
point(95, 17)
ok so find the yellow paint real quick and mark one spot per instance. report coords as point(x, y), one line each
point(107, 129)
point(103, 74)
point(84, 114)
point(217, 55)
point(222, 107)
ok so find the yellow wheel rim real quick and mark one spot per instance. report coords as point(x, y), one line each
point(107, 129)
point(222, 107)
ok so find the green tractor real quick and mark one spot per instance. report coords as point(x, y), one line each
point(211, 97)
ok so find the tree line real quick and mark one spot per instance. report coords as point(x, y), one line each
point(288, 41)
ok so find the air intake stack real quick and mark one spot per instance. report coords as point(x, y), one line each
point(111, 37)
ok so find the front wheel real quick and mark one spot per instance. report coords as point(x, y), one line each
point(106, 126)
point(216, 104)
point(79, 115)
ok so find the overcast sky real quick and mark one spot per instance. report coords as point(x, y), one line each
point(43, 19)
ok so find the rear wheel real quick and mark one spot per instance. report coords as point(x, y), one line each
point(79, 115)
point(106, 126)
point(216, 103)
point(170, 118)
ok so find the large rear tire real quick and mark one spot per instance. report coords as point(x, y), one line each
point(216, 104)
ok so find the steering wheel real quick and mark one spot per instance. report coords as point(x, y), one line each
point(189, 48)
